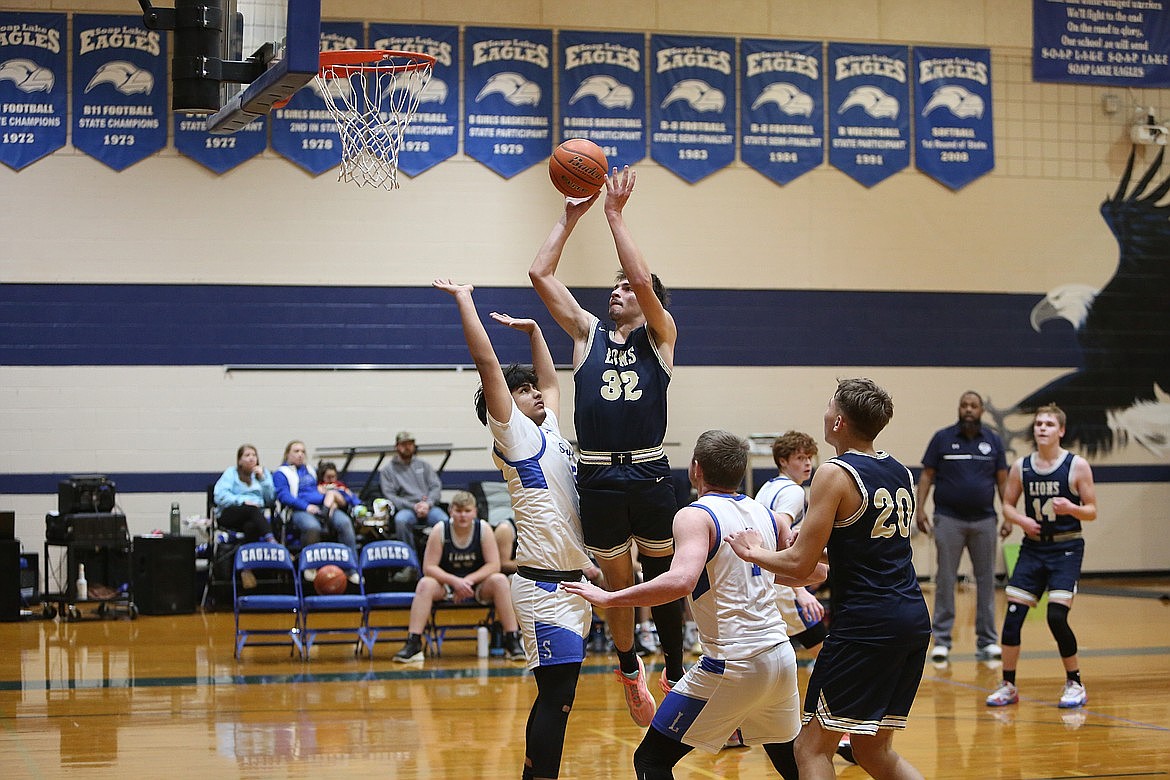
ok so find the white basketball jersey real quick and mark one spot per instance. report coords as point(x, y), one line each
point(734, 602)
point(537, 463)
point(782, 494)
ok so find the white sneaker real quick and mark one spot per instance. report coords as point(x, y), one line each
point(1073, 695)
point(939, 654)
point(990, 652)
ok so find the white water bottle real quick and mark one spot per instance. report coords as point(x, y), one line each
point(482, 640)
point(82, 585)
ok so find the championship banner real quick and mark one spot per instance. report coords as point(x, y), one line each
point(120, 89)
point(603, 92)
point(954, 140)
point(433, 134)
point(869, 110)
point(32, 87)
point(692, 97)
point(219, 153)
point(304, 131)
point(782, 119)
point(1125, 43)
point(508, 97)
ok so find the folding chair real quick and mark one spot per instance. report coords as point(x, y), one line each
point(390, 571)
point(351, 601)
point(277, 591)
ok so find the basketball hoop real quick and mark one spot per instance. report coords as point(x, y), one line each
point(372, 95)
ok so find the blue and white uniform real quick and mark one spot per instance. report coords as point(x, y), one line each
point(537, 463)
point(624, 477)
point(782, 495)
point(746, 677)
point(881, 626)
point(1053, 562)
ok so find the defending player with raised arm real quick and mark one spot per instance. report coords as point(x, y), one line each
point(621, 374)
point(861, 507)
point(519, 405)
point(746, 678)
point(1059, 494)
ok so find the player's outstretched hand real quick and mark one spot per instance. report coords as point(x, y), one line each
point(588, 591)
point(745, 543)
point(618, 188)
point(521, 324)
point(575, 207)
point(449, 286)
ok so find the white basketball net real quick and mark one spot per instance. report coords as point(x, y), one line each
point(372, 104)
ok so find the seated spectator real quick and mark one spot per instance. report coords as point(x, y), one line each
point(296, 489)
point(505, 533)
point(242, 494)
point(412, 487)
point(461, 563)
point(337, 494)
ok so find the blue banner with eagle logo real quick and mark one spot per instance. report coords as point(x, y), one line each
point(304, 131)
point(603, 92)
point(219, 153)
point(954, 139)
point(32, 87)
point(869, 110)
point(433, 133)
point(782, 120)
point(692, 104)
point(508, 97)
point(120, 89)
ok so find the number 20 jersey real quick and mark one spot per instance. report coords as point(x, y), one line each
point(620, 393)
point(875, 593)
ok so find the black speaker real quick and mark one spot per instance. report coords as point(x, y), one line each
point(9, 580)
point(162, 570)
point(85, 493)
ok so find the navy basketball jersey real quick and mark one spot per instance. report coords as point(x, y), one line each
point(875, 593)
point(1040, 487)
point(620, 393)
point(461, 561)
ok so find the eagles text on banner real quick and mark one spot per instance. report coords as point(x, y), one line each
point(782, 122)
point(954, 139)
point(32, 87)
point(1120, 42)
point(603, 92)
point(433, 134)
point(869, 110)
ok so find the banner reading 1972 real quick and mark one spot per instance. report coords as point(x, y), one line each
point(692, 104)
point(603, 92)
point(32, 87)
point(433, 133)
point(1121, 42)
point(508, 94)
point(783, 114)
point(869, 110)
point(119, 89)
point(952, 97)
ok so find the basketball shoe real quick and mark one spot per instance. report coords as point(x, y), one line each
point(845, 749)
point(411, 652)
point(1006, 694)
point(638, 698)
point(1073, 695)
point(513, 649)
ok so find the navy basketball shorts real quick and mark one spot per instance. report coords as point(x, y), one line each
point(625, 504)
point(859, 687)
point(1055, 568)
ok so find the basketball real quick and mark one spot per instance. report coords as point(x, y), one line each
point(330, 580)
point(577, 168)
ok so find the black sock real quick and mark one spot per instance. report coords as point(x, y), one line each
point(1009, 676)
point(1074, 676)
point(628, 661)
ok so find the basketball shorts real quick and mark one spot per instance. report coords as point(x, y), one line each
point(1055, 568)
point(859, 687)
point(757, 695)
point(553, 622)
point(624, 504)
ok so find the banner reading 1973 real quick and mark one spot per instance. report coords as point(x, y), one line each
point(783, 115)
point(508, 94)
point(692, 104)
point(869, 110)
point(952, 98)
point(32, 87)
point(603, 92)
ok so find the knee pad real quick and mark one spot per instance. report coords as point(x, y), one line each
point(1012, 623)
point(1066, 640)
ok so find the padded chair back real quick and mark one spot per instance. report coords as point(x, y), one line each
point(350, 601)
point(390, 571)
point(276, 591)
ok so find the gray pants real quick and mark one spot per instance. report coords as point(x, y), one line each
point(979, 537)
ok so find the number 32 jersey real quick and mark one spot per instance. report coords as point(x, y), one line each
point(875, 590)
point(620, 393)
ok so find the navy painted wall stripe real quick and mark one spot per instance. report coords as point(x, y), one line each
point(197, 482)
point(167, 325)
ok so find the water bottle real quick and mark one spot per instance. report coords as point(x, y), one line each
point(482, 640)
point(82, 585)
point(175, 530)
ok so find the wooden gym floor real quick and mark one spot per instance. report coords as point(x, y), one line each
point(163, 697)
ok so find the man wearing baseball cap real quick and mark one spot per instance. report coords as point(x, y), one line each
point(412, 487)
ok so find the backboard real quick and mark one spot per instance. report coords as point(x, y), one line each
point(293, 29)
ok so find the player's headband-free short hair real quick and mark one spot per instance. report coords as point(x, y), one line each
point(660, 291)
point(868, 407)
point(515, 374)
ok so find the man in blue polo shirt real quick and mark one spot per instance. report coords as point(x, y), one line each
point(968, 466)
